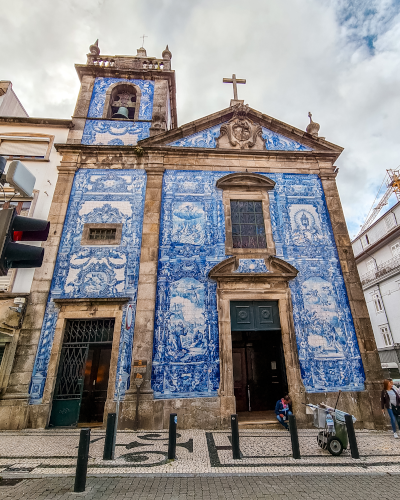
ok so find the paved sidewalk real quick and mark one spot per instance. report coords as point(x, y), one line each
point(284, 487)
point(43, 453)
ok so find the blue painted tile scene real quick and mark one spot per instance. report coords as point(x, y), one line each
point(97, 196)
point(192, 232)
point(206, 139)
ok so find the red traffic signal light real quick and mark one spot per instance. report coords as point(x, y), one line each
point(14, 228)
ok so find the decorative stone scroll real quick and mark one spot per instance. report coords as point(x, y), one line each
point(240, 132)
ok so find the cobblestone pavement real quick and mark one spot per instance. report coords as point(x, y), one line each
point(38, 453)
point(285, 487)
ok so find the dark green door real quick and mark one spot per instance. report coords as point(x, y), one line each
point(255, 316)
point(68, 393)
point(82, 336)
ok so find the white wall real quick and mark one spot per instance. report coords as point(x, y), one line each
point(44, 171)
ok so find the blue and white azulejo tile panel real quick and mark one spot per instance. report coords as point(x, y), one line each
point(326, 339)
point(114, 133)
point(97, 196)
point(206, 139)
point(192, 241)
point(185, 358)
point(251, 266)
point(101, 86)
point(278, 142)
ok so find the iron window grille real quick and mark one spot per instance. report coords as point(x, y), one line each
point(89, 331)
point(248, 229)
point(102, 233)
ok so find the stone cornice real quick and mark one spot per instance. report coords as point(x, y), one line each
point(53, 122)
point(204, 152)
point(93, 300)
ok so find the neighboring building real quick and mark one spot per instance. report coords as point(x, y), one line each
point(30, 140)
point(377, 254)
point(9, 102)
point(210, 263)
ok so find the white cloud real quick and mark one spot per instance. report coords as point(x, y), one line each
point(336, 58)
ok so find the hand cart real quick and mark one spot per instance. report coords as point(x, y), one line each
point(333, 437)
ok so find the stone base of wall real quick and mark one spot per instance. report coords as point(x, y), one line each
point(197, 413)
point(14, 414)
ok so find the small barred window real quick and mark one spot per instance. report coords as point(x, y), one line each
point(248, 229)
point(102, 233)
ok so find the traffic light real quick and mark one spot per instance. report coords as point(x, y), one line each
point(15, 228)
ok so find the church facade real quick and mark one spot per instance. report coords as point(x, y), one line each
point(203, 269)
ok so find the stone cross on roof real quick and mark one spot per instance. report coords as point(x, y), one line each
point(234, 81)
point(143, 36)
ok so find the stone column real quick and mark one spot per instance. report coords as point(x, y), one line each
point(146, 299)
point(14, 409)
point(369, 401)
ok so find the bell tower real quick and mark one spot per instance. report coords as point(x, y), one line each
point(123, 99)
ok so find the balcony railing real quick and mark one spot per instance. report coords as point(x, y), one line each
point(121, 62)
point(381, 270)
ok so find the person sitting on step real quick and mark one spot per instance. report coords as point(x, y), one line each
point(283, 409)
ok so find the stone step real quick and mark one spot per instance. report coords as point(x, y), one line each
point(260, 424)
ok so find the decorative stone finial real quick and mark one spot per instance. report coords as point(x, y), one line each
point(166, 54)
point(94, 49)
point(312, 127)
point(141, 52)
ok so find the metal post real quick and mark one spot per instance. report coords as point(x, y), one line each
point(173, 420)
point(109, 444)
point(294, 436)
point(235, 437)
point(82, 462)
point(352, 436)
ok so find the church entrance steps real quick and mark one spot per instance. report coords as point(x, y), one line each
point(258, 420)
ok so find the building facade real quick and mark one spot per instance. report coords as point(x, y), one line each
point(377, 254)
point(202, 269)
point(30, 140)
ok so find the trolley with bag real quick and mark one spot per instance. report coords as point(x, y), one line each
point(333, 436)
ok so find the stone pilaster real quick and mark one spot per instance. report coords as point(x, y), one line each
point(368, 401)
point(146, 299)
point(14, 409)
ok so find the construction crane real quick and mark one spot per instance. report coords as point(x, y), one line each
point(392, 186)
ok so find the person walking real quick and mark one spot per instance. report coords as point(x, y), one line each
point(283, 409)
point(390, 400)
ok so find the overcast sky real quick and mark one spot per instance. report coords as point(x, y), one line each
point(338, 59)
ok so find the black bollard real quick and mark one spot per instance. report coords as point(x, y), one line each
point(173, 420)
point(294, 437)
point(109, 444)
point(235, 437)
point(82, 462)
point(352, 436)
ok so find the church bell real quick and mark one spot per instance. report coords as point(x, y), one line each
point(121, 113)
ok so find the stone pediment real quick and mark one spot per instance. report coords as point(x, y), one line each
point(237, 268)
point(246, 181)
point(243, 129)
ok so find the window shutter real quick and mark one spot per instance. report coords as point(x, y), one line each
point(23, 148)
point(5, 281)
point(390, 221)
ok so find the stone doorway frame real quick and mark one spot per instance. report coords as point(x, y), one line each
point(273, 285)
point(39, 414)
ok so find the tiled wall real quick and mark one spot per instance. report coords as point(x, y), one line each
point(206, 139)
point(113, 132)
point(192, 233)
point(97, 196)
point(192, 241)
